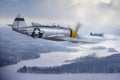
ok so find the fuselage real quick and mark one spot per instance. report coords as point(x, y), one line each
point(47, 31)
point(43, 31)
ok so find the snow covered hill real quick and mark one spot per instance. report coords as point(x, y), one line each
point(15, 46)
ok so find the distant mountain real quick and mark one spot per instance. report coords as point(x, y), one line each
point(99, 48)
point(15, 46)
point(112, 50)
point(88, 64)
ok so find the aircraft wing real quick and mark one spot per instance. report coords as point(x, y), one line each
point(56, 37)
point(76, 40)
point(81, 39)
point(63, 38)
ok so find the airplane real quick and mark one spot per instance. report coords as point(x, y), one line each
point(97, 34)
point(54, 33)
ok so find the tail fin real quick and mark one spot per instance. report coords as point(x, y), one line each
point(19, 22)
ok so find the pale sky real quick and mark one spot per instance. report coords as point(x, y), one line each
point(90, 13)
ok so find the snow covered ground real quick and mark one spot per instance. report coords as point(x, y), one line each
point(62, 77)
point(108, 47)
point(52, 59)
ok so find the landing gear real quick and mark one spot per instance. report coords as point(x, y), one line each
point(36, 33)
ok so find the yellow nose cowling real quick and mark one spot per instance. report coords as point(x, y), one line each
point(73, 34)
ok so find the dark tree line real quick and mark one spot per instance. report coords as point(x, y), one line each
point(89, 64)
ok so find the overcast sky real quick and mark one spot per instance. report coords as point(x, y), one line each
point(91, 13)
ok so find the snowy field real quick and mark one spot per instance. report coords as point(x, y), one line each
point(9, 72)
point(62, 77)
point(104, 48)
point(53, 59)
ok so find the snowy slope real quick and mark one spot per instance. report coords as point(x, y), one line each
point(15, 46)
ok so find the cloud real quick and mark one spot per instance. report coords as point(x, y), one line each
point(91, 13)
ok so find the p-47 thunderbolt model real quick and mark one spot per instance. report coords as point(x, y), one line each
point(55, 33)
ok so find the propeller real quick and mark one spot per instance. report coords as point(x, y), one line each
point(77, 28)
